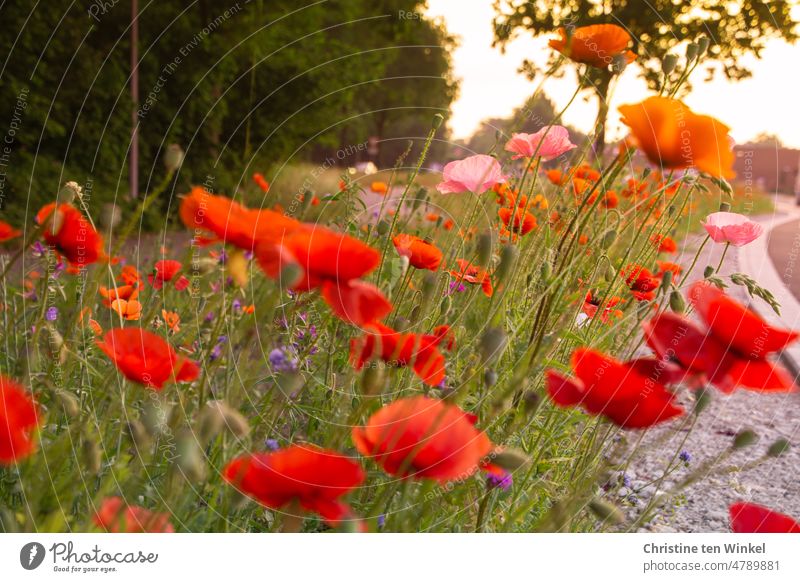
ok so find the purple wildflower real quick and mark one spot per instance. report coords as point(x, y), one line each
point(272, 444)
point(281, 362)
point(495, 481)
point(51, 314)
point(685, 456)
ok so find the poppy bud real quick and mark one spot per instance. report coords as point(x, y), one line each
point(383, 227)
point(676, 302)
point(291, 275)
point(508, 257)
point(702, 45)
point(619, 63)
point(138, 434)
point(510, 459)
point(608, 238)
point(610, 273)
point(546, 271)
point(666, 281)
point(437, 121)
point(445, 306)
point(708, 271)
point(190, 457)
point(691, 51)
point(428, 286)
point(373, 379)
point(492, 344)
point(422, 195)
point(173, 157)
point(724, 206)
point(92, 456)
point(69, 191)
point(532, 401)
point(489, 377)
point(154, 416)
point(484, 248)
point(669, 63)
point(744, 438)
point(606, 511)
point(778, 448)
point(702, 398)
point(69, 403)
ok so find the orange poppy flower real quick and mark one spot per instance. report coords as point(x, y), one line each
point(524, 222)
point(596, 45)
point(424, 438)
point(664, 266)
point(7, 232)
point(172, 319)
point(641, 282)
point(165, 271)
point(130, 276)
point(145, 358)
point(400, 349)
point(592, 304)
point(421, 254)
point(71, 234)
point(432, 217)
point(474, 275)
point(231, 222)
point(315, 478)
point(379, 187)
point(262, 184)
point(332, 262)
point(586, 172)
point(673, 136)
point(126, 292)
point(610, 199)
point(664, 244)
point(19, 417)
point(115, 516)
point(557, 177)
point(130, 310)
point(448, 224)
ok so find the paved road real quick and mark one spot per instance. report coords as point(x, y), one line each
point(784, 250)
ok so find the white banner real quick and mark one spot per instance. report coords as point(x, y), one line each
point(390, 557)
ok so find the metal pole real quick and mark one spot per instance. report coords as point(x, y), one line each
point(133, 171)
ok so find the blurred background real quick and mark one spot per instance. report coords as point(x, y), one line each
point(301, 91)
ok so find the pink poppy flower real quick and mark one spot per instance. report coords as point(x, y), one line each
point(476, 174)
point(729, 227)
point(551, 142)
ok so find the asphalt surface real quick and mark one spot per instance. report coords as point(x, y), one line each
point(784, 250)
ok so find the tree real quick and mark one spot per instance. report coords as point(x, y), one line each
point(735, 29)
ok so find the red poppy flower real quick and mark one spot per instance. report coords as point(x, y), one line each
point(115, 516)
point(262, 184)
point(591, 305)
point(619, 391)
point(447, 336)
point(524, 222)
point(474, 275)
point(664, 266)
point(331, 262)
point(664, 244)
point(379, 187)
point(557, 177)
point(231, 222)
point(752, 518)
point(400, 349)
point(313, 477)
point(165, 271)
point(18, 421)
point(586, 172)
point(145, 358)
point(7, 232)
point(71, 234)
point(610, 200)
point(424, 438)
point(130, 276)
point(124, 292)
point(733, 349)
point(596, 45)
point(641, 282)
point(421, 254)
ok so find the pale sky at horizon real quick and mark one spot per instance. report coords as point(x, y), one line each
point(491, 87)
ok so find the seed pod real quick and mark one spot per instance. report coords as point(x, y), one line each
point(666, 281)
point(92, 456)
point(428, 287)
point(708, 271)
point(489, 377)
point(383, 227)
point(702, 398)
point(724, 206)
point(373, 379)
point(691, 51)
point(606, 511)
point(69, 403)
point(676, 302)
point(437, 121)
point(669, 63)
point(610, 274)
point(446, 305)
point(778, 448)
point(702, 45)
point(744, 438)
point(173, 157)
point(532, 401)
point(492, 344)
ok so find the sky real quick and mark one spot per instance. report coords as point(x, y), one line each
point(768, 102)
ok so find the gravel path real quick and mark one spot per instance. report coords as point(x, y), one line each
point(703, 507)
